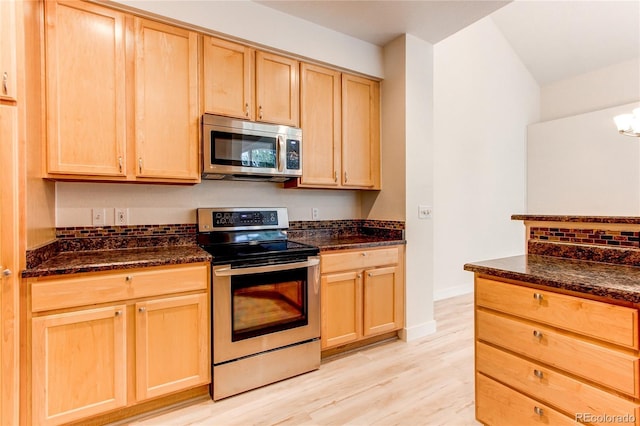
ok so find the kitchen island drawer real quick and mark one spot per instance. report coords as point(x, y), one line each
point(358, 259)
point(604, 321)
point(497, 405)
point(549, 386)
point(615, 369)
point(50, 293)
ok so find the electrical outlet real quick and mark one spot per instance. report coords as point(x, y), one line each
point(425, 212)
point(97, 217)
point(121, 216)
point(314, 213)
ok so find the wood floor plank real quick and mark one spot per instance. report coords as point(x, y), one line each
point(424, 382)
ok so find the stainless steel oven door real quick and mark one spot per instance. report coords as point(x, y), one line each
point(260, 308)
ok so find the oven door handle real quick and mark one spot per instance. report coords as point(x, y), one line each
point(227, 271)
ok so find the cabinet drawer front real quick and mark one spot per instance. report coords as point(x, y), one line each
point(591, 361)
point(611, 323)
point(498, 405)
point(546, 385)
point(91, 288)
point(358, 259)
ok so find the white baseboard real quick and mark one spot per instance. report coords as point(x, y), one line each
point(448, 292)
point(418, 331)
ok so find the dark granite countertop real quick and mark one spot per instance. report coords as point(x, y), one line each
point(619, 282)
point(634, 220)
point(106, 260)
point(345, 242)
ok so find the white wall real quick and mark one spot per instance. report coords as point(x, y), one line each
point(580, 165)
point(171, 204)
point(614, 85)
point(484, 99)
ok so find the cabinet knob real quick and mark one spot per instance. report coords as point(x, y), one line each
point(120, 164)
point(260, 112)
point(539, 411)
point(364, 253)
point(345, 177)
point(142, 309)
point(6, 273)
point(246, 109)
point(538, 374)
point(118, 313)
point(538, 297)
point(370, 274)
point(359, 275)
point(140, 164)
point(537, 334)
point(335, 175)
point(128, 278)
point(5, 82)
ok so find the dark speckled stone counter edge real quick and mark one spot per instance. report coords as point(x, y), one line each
point(635, 220)
point(615, 282)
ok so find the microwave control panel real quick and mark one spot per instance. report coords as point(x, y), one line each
point(293, 154)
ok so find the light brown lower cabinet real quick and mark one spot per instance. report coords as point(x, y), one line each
point(91, 359)
point(543, 357)
point(362, 293)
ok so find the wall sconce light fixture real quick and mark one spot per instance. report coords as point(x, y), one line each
point(629, 124)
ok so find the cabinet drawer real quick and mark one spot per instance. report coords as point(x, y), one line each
point(546, 385)
point(594, 362)
point(498, 405)
point(91, 288)
point(358, 259)
point(611, 323)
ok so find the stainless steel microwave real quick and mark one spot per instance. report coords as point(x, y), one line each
point(246, 150)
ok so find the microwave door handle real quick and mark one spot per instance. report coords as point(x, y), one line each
point(281, 154)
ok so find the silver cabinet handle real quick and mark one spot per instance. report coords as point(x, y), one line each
point(538, 297)
point(260, 112)
point(246, 109)
point(537, 334)
point(345, 177)
point(140, 164)
point(539, 411)
point(120, 163)
point(335, 175)
point(5, 83)
point(6, 273)
point(538, 374)
point(142, 309)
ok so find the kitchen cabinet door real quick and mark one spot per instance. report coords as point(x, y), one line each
point(228, 83)
point(383, 300)
point(8, 64)
point(277, 89)
point(341, 295)
point(166, 102)
point(78, 364)
point(320, 108)
point(360, 132)
point(85, 89)
point(172, 341)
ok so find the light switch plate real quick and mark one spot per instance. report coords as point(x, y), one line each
point(97, 217)
point(121, 216)
point(425, 212)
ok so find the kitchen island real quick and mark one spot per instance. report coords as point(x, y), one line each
point(557, 334)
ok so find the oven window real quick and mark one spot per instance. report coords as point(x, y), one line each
point(268, 302)
point(232, 149)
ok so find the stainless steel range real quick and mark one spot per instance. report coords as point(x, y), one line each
point(265, 298)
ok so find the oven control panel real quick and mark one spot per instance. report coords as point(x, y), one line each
point(248, 218)
point(237, 219)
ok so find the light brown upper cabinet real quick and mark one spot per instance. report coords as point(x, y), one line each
point(122, 96)
point(340, 120)
point(8, 50)
point(241, 82)
point(360, 132)
point(166, 107)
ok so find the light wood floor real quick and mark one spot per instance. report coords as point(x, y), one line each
point(423, 382)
